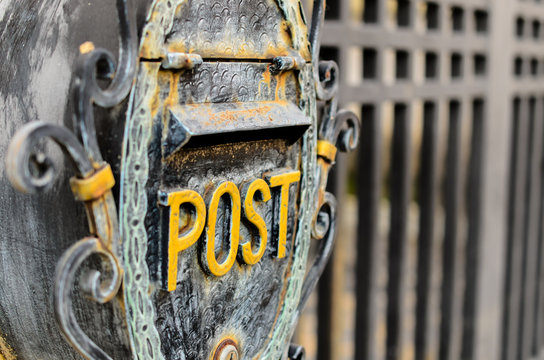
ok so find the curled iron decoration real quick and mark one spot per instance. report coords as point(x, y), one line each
point(97, 64)
point(31, 171)
point(326, 223)
point(338, 130)
point(98, 290)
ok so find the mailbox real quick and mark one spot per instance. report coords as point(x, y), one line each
point(231, 128)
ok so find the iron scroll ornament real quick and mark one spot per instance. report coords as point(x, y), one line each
point(30, 171)
point(338, 130)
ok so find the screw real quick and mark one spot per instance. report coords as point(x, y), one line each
point(229, 352)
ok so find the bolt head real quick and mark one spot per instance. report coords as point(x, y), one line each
point(229, 352)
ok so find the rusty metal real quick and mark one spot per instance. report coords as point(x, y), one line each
point(181, 61)
point(284, 63)
point(222, 179)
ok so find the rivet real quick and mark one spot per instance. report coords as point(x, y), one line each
point(227, 350)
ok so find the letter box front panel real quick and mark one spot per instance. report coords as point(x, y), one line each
point(216, 162)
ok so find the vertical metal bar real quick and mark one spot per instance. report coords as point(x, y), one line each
point(369, 247)
point(538, 331)
point(400, 198)
point(337, 186)
point(530, 258)
point(324, 311)
point(512, 293)
point(427, 196)
point(449, 297)
point(474, 223)
point(344, 10)
point(493, 195)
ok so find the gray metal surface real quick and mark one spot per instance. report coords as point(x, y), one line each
point(39, 51)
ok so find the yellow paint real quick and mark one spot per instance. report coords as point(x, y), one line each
point(6, 352)
point(265, 81)
point(177, 243)
point(284, 180)
point(173, 95)
point(211, 263)
point(326, 150)
point(281, 85)
point(86, 47)
point(256, 219)
point(182, 239)
point(94, 186)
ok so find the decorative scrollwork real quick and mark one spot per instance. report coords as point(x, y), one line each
point(327, 76)
point(324, 229)
point(340, 128)
point(337, 130)
point(100, 64)
point(31, 171)
point(97, 289)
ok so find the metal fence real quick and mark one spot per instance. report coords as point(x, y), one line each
point(442, 254)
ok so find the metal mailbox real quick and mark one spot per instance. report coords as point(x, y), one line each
point(221, 179)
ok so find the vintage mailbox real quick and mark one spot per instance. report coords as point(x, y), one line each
point(230, 131)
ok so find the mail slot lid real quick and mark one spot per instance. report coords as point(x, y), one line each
point(188, 122)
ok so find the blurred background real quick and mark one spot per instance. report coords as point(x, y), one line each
point(439, 253)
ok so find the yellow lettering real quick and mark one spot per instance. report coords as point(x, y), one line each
point(284, 180)
point(177, 243)
point(210, 261)
point(252, 216)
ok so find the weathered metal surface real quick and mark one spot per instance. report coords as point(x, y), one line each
point(231, 119)
point(218, 176)
point(226, 29)
point(39, 50)
point(30, 171)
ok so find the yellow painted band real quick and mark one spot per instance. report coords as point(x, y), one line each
point(284, 180)
point(252, 216)
point(177, 243)
point(326, 150)
point(94, 186)
point(211, 263)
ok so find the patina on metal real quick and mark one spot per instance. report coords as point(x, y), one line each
point(223, 174)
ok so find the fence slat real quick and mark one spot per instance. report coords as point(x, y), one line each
point(451, 261)
point(473, 239)
point(397, 259)
point(427, 197)
point(369, 247)
point(512, 293)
